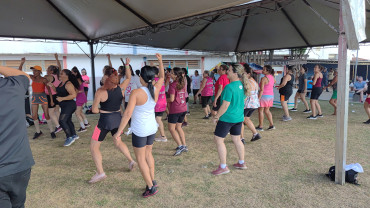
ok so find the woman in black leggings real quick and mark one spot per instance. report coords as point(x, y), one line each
point(66, 92)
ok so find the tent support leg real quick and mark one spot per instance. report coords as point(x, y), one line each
point(342, 108)
point(92, 58)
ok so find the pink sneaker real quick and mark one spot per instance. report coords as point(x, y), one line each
point(132, 165)
point(220, 171)
point(240, 166)
point(97, 177)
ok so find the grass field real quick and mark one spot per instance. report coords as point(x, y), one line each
point(286, 168)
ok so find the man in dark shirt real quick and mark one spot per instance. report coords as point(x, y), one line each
point(15, 153)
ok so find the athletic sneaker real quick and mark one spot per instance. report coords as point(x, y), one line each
point(132, 165)
point(240, 166)
point(307, 111)
point(286, 118)
point(243, 141)
point(179, 150)
point(76, 136)
point(81, 130)
point(259, 128)
point(37, 135)
point(294, 109)
point(185, 149)
point(188, 113)
point(206, 117)
point(69, 141)
point(220, 171)
point(150, 192)
point(367, 122)
point(320, 116)
point(154, 184)
point(97, 177)
point(209, 115)
point(312, 117)
point(58, 129)
point(256, 137)
point(128, 132)
point(53, 136)
point(161, 139)
point(87, 125)
point(271, 128)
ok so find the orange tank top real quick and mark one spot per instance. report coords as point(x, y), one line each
point(38, 87)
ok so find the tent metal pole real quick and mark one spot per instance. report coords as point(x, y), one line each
point(356, 67)
point(92, 58)
point(342, 107)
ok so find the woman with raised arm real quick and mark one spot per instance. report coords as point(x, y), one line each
point(266, 97)
point(39, 98)
point(316, 92)
point(143, 125)
point(206, 91)
point(81, 99)
point(160, 108)
point(110, 97)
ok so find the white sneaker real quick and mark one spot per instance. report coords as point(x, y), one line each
point(128, 132)
point(161, 139)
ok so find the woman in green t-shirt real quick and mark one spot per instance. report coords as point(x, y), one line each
point(229, 118)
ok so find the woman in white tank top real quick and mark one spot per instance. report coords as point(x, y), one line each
point(140, 109)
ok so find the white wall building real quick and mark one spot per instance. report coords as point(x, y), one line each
point(71, 54)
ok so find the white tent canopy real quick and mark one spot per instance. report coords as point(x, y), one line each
point(217, 25)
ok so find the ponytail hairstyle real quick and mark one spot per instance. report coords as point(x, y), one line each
point(54, 69)
point(72, 78)
point(121, 70)
point(112, 78)
point(242, 73)
point(179, 73)
point(321, 67)
point(147, 73)
point(205, 72)
point(78, 75)
point(250, 71)
point(269, 69)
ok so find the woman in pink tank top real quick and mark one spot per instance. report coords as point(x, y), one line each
point(316, 92)
point(160, 108)
point(206, 90)
point(266, 97)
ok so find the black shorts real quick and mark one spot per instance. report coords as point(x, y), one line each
point(187, 99)
point(86, 89)
point(316, 92)
point(223, 128)
point(195, 91)
point(285, 96)
point(139, 142)
point(100, 133)
point(248, 112)
point(176, 118)
point(159, 114)
point(205, 101)
point(218, 103)
point(54, 100)
point(300, 91)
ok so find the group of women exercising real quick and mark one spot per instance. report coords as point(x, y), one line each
point(234, 96)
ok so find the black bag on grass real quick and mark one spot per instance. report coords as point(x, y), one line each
point(351, 175)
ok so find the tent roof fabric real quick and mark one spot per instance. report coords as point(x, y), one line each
point(217, 25)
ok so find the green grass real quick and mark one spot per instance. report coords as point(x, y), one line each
point(285, 168)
